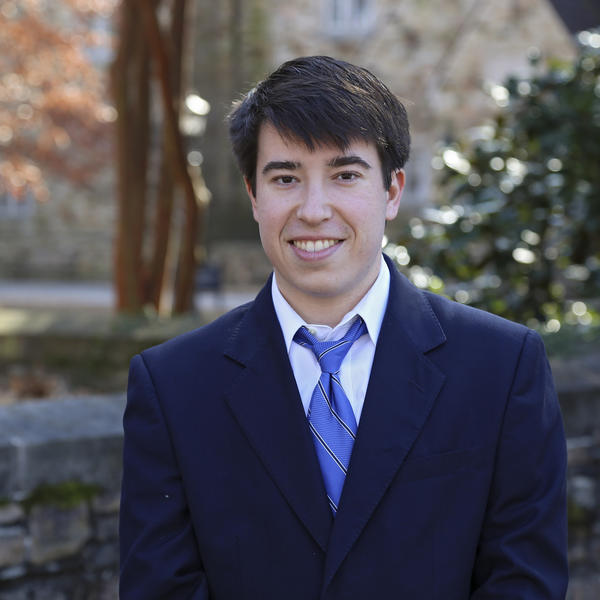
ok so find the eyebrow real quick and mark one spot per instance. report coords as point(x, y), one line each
point(286, 165)
point(338, 161)
point(343, 161)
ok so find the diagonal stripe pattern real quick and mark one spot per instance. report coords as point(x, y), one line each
point(330, 416)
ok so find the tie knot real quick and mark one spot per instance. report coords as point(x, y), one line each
point(331, 354)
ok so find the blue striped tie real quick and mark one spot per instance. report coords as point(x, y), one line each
point(330, 415)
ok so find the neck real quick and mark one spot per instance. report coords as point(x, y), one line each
point(321, 313)
point(323, 310)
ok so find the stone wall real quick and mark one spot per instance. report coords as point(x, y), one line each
point(60, 475)
point(60, 472)
point(578, 385)
point(584, 516)
point(69, 236)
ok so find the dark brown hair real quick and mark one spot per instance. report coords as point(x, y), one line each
point(321, 101)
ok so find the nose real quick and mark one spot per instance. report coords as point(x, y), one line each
point(314, 206)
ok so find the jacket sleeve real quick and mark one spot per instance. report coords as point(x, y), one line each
point(159, 552)
point(522, 551)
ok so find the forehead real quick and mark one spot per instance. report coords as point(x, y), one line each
point(272, 145)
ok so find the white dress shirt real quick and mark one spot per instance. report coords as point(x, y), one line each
point(356, 367)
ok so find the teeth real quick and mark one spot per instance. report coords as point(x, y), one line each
point(310, 246)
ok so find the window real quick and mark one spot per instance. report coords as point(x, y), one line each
point(349, 18)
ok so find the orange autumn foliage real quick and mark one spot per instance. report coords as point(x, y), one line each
point(54, 114)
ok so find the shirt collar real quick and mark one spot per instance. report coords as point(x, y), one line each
point(371, 308)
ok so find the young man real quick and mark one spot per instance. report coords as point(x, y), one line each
point(344, 436)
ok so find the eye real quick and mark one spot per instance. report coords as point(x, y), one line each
point(284, 179)
point(347, 176)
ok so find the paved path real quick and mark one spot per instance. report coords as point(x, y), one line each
point(98, 295)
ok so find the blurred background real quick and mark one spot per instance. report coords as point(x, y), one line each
point(123, 219)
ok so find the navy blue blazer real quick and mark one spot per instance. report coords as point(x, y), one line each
point(455, 489)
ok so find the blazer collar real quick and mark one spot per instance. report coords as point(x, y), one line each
point(265, 401)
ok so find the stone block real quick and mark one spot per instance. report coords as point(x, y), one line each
point(100, 557)
point(594, 548)
point(578, 386)
point(584, 588)
point(58, 532)
point(7, 464)
point(105, 589)
point(582, 491)
point(13, 572)
point(107, 503)
point(107, 527)
point(12, 546)
point(582, 450)
point(11, 513)
point(78, 438)
point(19, 592)
point(56, 587)
point(578, 551)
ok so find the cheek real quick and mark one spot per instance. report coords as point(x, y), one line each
point(269, 227)
point(368, 217)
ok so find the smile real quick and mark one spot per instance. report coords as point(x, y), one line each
point(314, 245)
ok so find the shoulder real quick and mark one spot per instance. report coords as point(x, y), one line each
point(434, 321)
point(479, 339)
point(456, 317)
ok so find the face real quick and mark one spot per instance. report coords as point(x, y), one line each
point(321, 216)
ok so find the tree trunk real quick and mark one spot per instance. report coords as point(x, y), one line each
point(166, 185)
point(184, 283)
point(130, 89)
point(145, 52)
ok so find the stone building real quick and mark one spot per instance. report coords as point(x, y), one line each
point(439, 56)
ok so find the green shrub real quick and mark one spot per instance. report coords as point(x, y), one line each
point(519, 231)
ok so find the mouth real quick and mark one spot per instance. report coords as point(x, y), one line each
point(314, 245)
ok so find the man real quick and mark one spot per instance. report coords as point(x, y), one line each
point(346, 435)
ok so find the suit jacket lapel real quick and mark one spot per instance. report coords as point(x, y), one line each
point(402, 388)
point(265, 401)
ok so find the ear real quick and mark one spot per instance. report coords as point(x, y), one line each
point(252, 197)
point(394, 194)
